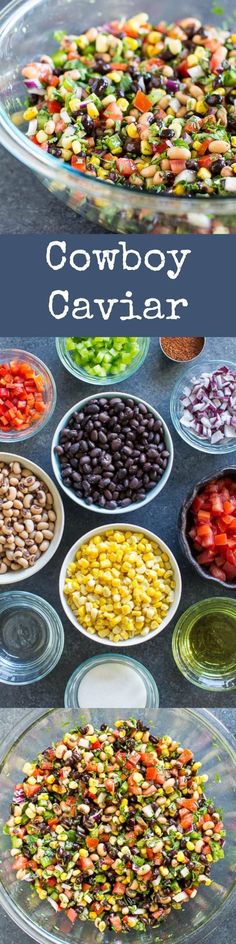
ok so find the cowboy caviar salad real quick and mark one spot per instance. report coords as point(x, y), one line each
point(112, 825)
point(151, 107)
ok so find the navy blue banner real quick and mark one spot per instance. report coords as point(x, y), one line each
point(132, 285)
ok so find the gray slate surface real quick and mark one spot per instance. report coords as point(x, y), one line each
point(154, 382)
point(10, 932)
point(27, 207)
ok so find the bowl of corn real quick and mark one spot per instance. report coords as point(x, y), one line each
point(120, 584)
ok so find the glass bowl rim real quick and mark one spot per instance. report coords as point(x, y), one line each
point(115, 656)
point(85, 377)
point(134, 506)
point(17, 435)
point(214, 726)
point(25, 150)
point(201, 445)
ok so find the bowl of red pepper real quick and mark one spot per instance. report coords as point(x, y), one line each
point(207, 528)
point(27, 395)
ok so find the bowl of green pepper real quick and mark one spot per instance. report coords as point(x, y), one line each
point(102, 361)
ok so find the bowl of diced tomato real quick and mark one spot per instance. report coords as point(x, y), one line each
point(27, 395)
point(208, 528)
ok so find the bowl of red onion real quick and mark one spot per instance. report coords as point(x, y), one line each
point(207, 528)
point(203, 406)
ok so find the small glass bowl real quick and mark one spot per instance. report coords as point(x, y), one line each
point(28, 653)
point(189, 437)
point(49, 393)
point(207, 677)
point(73, 368)
point(72, 692)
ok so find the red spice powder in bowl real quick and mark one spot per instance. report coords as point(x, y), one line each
point(182, 349)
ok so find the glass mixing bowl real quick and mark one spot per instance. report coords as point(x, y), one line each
point(26, 32)
point(68, 361)
point(212, 744)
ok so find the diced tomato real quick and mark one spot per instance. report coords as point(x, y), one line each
point(119, 888)
point(185, 756)
point(177, 166)
point(20, 862)
point(188, 804)
point(149, 759)
point(218, 573)
point(142, 102)
point(54, 107)
point(116, 923)
point(31, 788)
point(133, 759)
point(92, 842)
point(113, 111)
point(217, 58)
point(53, 822)
point(78, 163)
point(110, 786)
point(187, 822)
point(85, 863)
point(125, 166)
point(72, 915)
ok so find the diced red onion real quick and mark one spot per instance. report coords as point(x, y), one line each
point(172, 85)
point(209, 405)
point(33, 85)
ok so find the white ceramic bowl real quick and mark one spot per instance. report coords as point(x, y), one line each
point(133, 505)
point(12, 577)
point(135, 640)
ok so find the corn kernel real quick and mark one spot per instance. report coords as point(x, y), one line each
point(30, 113)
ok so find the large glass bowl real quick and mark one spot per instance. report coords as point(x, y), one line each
point(68, 361)
point(211, 743)
point(26, 32)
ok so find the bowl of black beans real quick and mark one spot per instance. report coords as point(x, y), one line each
point(112, 453)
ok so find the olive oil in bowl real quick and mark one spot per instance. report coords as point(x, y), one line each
point(204, 644)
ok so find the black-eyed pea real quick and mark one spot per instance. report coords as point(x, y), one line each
point(48, 534)
point(13, 481)
point(15, 466)
point(29, 526)
point(51, 516)
point(18, 504)
point(149, 171)
point(18, 527)
point(39, 537)
point(27, 501)
point(12, 492)
point(36, 519)
point(49, 499)
point(3, 568)
point(23, 562)
point(41, 497)
point(41, 525)
point(19, 542)
point(44, 546)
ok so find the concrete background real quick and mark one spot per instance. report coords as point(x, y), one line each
point(154, 381)
point(10, 932)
